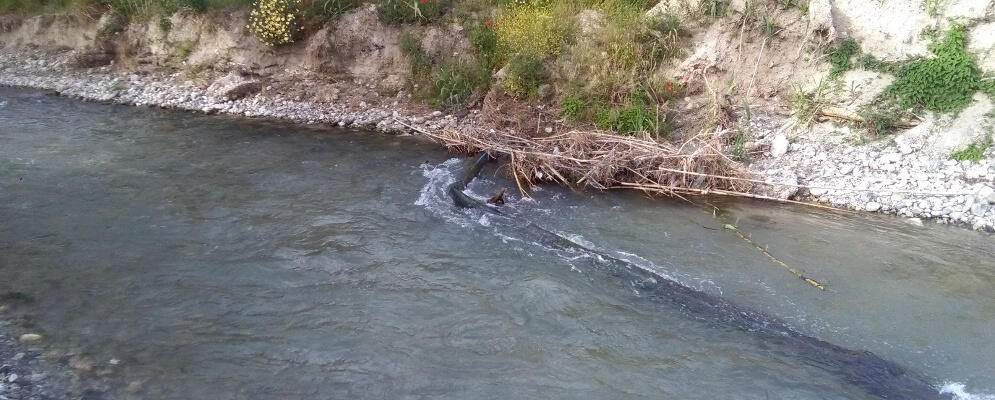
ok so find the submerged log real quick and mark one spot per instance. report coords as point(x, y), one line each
point(862, 369)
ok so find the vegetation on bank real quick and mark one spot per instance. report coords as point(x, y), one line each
point(600, 63)
point(944, 82)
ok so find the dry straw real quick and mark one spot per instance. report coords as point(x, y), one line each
point(604, 160)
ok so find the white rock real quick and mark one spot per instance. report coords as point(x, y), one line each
point(30, 338)
point(872, 206)
point(779, 146)
point(891, 158)
point(914, 221)
point(985, 191)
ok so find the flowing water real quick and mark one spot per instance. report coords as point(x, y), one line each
point(229, 259)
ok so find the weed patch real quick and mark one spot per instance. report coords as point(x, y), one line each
point(840, 57)
point(943, 83)
point(975, 152)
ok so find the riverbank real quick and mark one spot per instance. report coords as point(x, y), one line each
point(878, 177)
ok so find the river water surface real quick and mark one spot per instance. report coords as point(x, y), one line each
point(231, 259)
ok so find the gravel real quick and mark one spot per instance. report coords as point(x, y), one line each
point(889, 178)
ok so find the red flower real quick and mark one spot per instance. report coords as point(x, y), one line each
point(424, 1)
point(488, 23)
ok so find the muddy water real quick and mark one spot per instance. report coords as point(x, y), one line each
point(227, 259)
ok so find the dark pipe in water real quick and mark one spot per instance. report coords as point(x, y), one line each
point(863, 369)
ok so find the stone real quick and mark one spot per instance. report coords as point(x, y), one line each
point(234, 86)
point(986, 192)
point(891, 158)
point(820, 20)
point(779, 146)
point(30, 338)
point(872, 206)
point(12, 378)
point(914, 221)
point(980, 208)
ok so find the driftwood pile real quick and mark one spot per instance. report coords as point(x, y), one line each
point(603, 160)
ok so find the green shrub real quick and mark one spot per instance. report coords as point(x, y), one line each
point(396, 12)
point(454, 83)
point(605, 118)
point(943, 83)
point(525, 74)
point(572, 107)
point(484, 40)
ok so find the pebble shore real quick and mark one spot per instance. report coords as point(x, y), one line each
point(879, 177)
point(887, 177)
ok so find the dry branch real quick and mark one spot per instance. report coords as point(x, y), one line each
point(604, 160)
point(839, 113)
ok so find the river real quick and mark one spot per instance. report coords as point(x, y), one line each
point(237, 259)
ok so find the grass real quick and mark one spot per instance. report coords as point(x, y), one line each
point(396, 12)
point(455, 82)
point(446, 83)
point(807, 105)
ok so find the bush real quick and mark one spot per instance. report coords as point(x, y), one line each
point(532, 32)
point(396, 12)
point(454, 83)
point(525, 74)
point(320, 12)
point(944, 83)
point(274, 22)
point(573, 107)
point(484, 40)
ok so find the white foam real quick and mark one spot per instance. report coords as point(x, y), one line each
point(957, 389)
